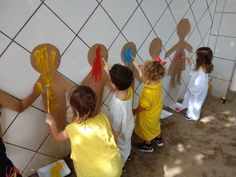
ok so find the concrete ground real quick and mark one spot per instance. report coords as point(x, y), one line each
point(206, 148)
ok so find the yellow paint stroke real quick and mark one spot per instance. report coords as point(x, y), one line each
point(55, 171)
point(45, 63)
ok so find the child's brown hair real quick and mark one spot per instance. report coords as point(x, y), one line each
point(153, 70)
point(83, 101)
point(204, 59)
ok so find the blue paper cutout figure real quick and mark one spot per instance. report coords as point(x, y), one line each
point(128, 53)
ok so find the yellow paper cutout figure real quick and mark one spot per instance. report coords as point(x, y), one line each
point(45, 59)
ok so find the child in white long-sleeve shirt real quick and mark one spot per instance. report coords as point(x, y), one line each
point(198, 85)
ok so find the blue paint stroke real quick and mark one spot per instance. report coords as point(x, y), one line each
point(127, 55)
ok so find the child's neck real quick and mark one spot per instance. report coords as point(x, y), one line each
point(152, 82)
point(122, 94)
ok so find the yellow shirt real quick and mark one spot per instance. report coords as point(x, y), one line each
point(147, 124)
point(93, 149)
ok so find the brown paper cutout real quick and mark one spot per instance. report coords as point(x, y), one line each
point(132, 46)
point(10, 102)
point(155, 48)
point(178, 62)
point(55, 95)
point(97, 87)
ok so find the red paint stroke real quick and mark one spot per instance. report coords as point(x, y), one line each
point(97, 66)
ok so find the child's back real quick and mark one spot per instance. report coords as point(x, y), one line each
point(93, 149)
point(121, 116)
point(147, 125)
point(148, 122)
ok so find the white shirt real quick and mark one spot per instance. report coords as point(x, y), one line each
point(196, 93)
point(122, 121)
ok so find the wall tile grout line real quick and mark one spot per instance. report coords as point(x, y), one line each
point(196, 20)
point(212, 23)
point(162, 46)
point(220, 35)
point(10, 124)
point(21, 29)
point(19, 146)
point(218, 31)
point(208, 7)
point(66, 26)
point(152, 27)
point(15, 41)
point(123, 26)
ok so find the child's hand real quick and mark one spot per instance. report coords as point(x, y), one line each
point(188, 59)
point(49, 119)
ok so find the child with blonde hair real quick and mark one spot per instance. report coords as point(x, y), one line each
point(198, 85)
point(148, 113)
point(93, 148)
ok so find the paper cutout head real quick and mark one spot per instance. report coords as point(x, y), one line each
point(155, 48)
point(183, 28)
point(128, 52)
point(97, 53)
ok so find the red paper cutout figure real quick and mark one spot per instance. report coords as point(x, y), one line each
point(97, 66)
point(178, 62)
point(98, 87)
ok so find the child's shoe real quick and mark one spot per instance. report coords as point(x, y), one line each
point(158, 141)
point(129, 158)
point(145, 147)
point(187, 117)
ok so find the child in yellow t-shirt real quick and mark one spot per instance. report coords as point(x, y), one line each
point(148, 113)
point(93, 148)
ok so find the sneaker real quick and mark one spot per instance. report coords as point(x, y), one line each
point(129, 157)
point(158, 141)
point(123, 169)
point(145, 147)
point(187, 117)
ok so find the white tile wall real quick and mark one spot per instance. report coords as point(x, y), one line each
point(222, 40)
point(14, 14)
point(228, 28)
point(73, 26)
point(4, 42)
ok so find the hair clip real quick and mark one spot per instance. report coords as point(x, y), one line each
point(159, 60)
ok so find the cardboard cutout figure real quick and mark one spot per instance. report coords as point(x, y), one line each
point(10, 102)
point(45, 59)
point(155, 50)
point(128, 53)
point(98, 77)
point(178, 62)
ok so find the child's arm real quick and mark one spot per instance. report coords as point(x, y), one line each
point(57, 136)
point(138, 109)
point(10, 102)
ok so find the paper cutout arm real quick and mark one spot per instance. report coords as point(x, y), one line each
point(169, 52)
point(65, 83)
point(37, 91)
point(10, 102)
point(188, 47)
